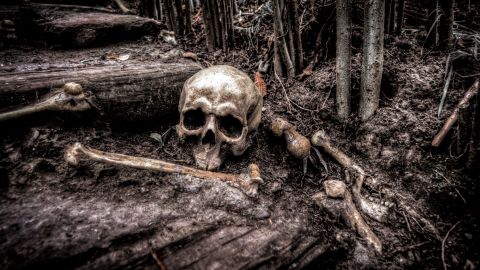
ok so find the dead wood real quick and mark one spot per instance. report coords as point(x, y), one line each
point(452, 119)
point(125, 92)
point(81, 26)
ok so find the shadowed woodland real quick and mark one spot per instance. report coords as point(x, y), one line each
point(239, 134)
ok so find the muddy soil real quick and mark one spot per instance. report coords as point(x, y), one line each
point(101, 216)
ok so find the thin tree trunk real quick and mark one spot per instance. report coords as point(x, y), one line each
point(400, 16)
point(218, 19)
point(392, 17)
point(432, 25)
point(388, 13)
point(280, 34)
point(446, 24)
point(372, 65)
point(297, 36)
point(344, 29)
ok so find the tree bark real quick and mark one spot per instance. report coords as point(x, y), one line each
point(128, 92)
point(432, 24)
point(288, 41)
point(400, 16)
point(446, 24)
point(218, 20)
point(343, 63)
point(388, 13)
point(392, 17)
point(372, 64)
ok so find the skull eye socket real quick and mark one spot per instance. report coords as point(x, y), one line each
point(193, 119)
point(230, 126)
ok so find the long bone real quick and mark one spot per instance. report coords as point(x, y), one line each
point(70, 98)
point(374, 210)
point(297, 145)
point(248, 181)
point(338, 200)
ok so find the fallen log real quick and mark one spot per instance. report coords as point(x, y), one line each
point(124, 92)
point(452, 119)
point(81, 26)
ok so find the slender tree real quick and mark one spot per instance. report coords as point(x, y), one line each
point(288, 52)
point(446, 24)
point(400, 16)
point(372, 64)
point(432, 24)
point(218, 19)
point(391, 24)
point(388, 13)
point(343, 64)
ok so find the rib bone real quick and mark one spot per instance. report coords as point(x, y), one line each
point(248, 181)
point(70, 98)
point(338, 200)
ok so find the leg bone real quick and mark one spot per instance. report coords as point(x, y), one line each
point(248, 181)
point(338, 200)
point(321, 140)
point(373, 210)
point(70, 98)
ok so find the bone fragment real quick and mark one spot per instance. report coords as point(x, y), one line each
point(70, 98)
point(248, 181)
point(338, 200)
point(297, 144)
point(373, 210)
point(122, 6)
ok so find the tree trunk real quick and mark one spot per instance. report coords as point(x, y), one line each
point(391, 24)
point(432, 24)
point(446, 24)
point(218, 19)
point(400, 16)
point(343, 63)
point(388, 13)
point(288, 41)
point(127, 91)
point(372, 64)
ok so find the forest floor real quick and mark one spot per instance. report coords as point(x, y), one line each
point(48, 208)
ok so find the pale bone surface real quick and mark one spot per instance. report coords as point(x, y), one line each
point(223, 103)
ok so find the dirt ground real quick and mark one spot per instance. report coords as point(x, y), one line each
point(100, 216)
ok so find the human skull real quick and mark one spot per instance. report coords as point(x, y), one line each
point(220, 105)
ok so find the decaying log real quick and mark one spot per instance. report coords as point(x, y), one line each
point(452, 119)
point(125, 92)
point(81, 26)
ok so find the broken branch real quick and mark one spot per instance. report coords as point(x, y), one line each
point(452, 119)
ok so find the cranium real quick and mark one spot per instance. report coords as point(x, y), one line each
point(220, 105)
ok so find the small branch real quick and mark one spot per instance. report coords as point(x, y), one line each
point(443, 244)
point(452, 119)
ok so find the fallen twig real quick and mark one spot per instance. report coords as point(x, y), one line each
point(443, 244)
point(452, 119)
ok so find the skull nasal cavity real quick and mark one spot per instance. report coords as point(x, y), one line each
point(209, 138)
